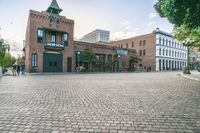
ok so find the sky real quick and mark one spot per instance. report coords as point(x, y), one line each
point(123, 18)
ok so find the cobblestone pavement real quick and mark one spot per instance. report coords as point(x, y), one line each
point(126, 102)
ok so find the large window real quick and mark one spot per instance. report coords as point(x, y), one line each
point(127, 45)
point(144, 42)
point(140, 52)
point(160, 51)
point(53, 38)
point(144, 52)
point(65, 39)
point(159, 40)
point(163, 41)
point(140, 43)
point(132, 44)
point(34, 60)
point(40, 35)
point(163, 52)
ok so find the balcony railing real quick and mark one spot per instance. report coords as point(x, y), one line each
point(54, 46)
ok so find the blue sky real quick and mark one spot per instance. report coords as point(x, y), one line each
point(123, 18)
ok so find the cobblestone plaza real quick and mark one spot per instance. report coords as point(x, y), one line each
point(124, 102)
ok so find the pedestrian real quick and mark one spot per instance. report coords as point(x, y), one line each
point(18, 70)
point(14, 67)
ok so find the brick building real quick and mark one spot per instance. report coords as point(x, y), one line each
point(108, 58)
point(158, 51)
point(49, 46)
point(49, 41)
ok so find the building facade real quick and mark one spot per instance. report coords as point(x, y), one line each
point(107, 58)
point(158, 51)
point(97, 36)
point(49, 41)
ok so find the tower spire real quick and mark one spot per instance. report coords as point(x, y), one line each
point(54, 8)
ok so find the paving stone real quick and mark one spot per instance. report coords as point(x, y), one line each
point(124, 102)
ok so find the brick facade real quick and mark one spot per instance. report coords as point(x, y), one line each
point(42, 20)
point(145, 48)
point(108, 53)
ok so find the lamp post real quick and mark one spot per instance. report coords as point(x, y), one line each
point(78, 54)
point(118, 61)
point(188, 42)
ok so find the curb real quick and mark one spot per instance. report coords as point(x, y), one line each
point(189, 77)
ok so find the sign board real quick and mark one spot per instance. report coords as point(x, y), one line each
point(122, 52)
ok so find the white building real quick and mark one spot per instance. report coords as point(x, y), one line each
point(97, 36)
point(170, 54)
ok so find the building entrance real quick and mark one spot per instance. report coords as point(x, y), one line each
point(52, 62)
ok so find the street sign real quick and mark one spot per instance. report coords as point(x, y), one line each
point(122, 52)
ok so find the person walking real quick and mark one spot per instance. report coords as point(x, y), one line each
point(14, 67)
point(18, 69)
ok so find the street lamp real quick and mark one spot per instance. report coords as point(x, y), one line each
point(78, 53)
point(118, 61)
point(188, 42)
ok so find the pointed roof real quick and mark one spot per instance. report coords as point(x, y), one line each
point(54, 7)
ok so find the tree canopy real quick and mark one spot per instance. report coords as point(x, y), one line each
point(2, 52)
point(89, 54)
point(184, 14)
point(6, 60)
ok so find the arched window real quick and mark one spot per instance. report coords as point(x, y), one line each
point(166, 52)
point(159, 40)
point(163, 52)
point(170, 43)
point(159, 51)
point(163, 41)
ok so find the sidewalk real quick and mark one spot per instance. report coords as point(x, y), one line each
point(195, 75)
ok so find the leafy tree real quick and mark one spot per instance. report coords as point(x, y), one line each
point(132, 61)
point(184, 14)
point(8, 60)
point(89, 54)
point(2, 52)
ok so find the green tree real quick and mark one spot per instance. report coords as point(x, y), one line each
point(184, 14)
point(2, 52)
point(8, 60)
point(89, 54)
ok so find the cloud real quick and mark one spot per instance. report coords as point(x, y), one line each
point(151, 23)
point(122, 35)
point(152, 15)
point(136, 29)
point(128, 27)
point(125, 23)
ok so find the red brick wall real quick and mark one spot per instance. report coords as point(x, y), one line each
point(40, 20)
point(149, 59)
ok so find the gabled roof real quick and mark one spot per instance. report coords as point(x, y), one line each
point(54, 7)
